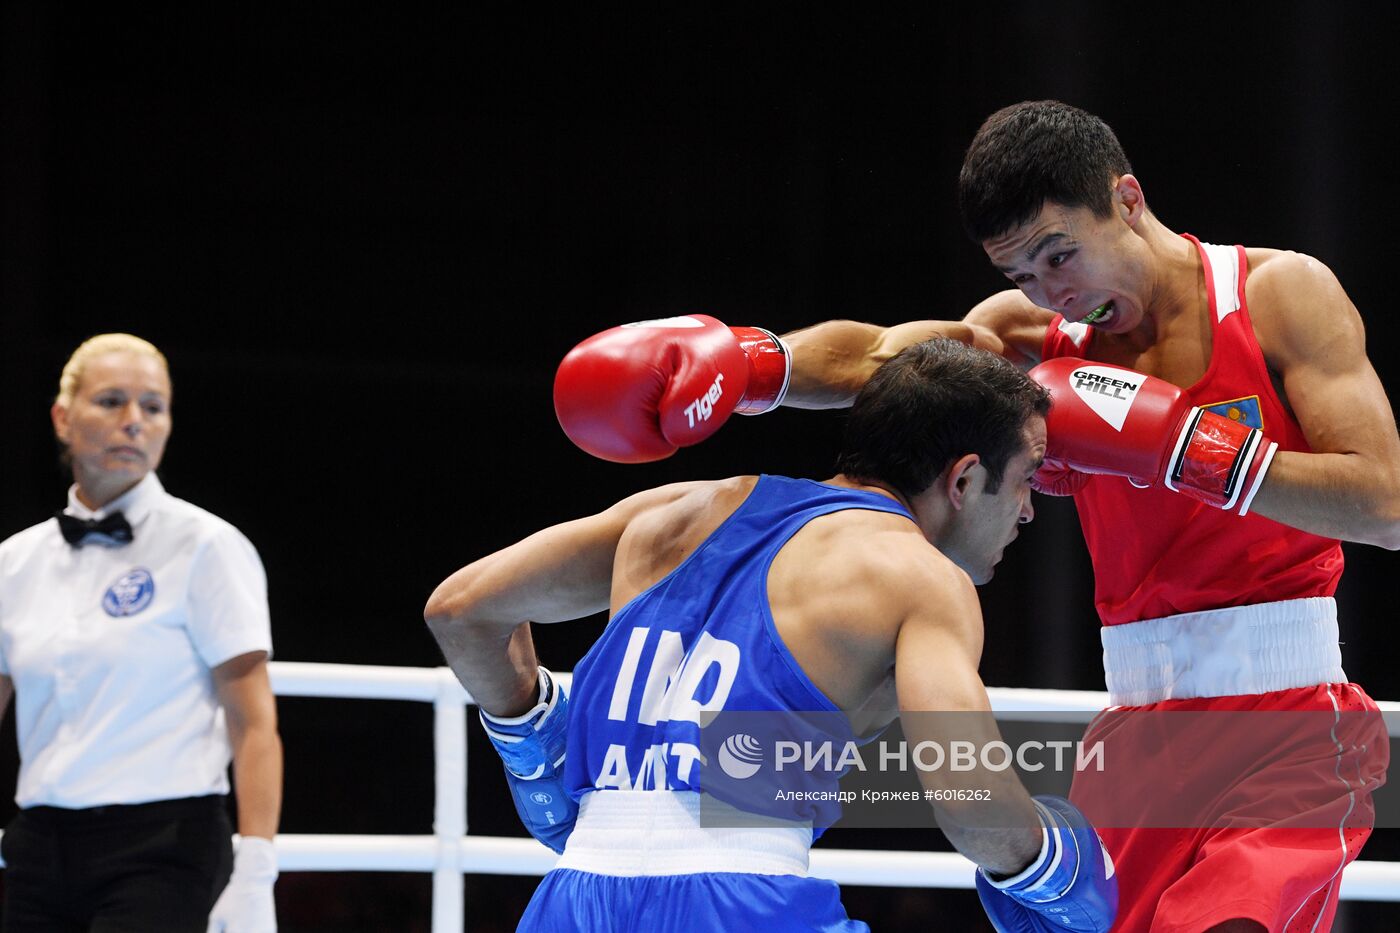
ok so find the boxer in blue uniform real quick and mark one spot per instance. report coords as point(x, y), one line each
point(843, 598)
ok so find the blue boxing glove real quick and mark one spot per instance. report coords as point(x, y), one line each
point(1069, 887)
point(532, 747)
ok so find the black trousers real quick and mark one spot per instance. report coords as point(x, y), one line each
point(133, 868)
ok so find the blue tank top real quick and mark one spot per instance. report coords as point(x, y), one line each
point(700, 641)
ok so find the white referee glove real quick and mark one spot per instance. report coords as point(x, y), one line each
point(246, 906)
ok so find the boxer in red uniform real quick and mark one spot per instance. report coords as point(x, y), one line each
point(1214, 479)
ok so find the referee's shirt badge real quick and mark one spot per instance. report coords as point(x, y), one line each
point(132, 592)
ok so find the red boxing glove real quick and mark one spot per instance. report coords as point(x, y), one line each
point(770, 369)
point(1107, 419)
point(1056, 479)
point(636, 393)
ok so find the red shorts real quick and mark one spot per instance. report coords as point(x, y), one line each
point(1235, 807)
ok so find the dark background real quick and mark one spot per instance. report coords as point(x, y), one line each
point(364, 240)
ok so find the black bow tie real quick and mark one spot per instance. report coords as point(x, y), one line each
point(114, 526)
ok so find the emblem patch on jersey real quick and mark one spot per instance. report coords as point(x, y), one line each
point(1244, 410)
point(132, 592)
point(1109, 392)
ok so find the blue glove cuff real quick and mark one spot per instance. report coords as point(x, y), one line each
point(1033, 874)
point(532, 745)
point(1069, 886)
point(533, 749)
point(1051, 874)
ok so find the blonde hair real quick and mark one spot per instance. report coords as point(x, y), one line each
point(98, 346)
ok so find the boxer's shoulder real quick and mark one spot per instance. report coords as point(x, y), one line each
point(1294, 300)
point(874, 564)
point(1285, 278)
point(662, 525)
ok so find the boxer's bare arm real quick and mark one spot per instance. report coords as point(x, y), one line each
point(1312, 336)
point(1016, 321)
point(480, 614)
point(832, 360)
point(7, 690)
point(942, 699)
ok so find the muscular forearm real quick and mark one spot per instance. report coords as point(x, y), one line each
point(1001, 834)
point(257, 779)
point(1003, 852)
point(479, 614)
point(1341, 496)
point(830, 362)
point(495, 663)
point(833, 360)
point(986, 814)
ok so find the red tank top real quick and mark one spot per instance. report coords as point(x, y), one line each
point(1158, 553)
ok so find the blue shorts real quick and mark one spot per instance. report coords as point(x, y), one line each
point(568, 900)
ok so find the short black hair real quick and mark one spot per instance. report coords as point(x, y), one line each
point(1035, 152)
point(932, 403)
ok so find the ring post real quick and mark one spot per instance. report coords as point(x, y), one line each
point(450, 800)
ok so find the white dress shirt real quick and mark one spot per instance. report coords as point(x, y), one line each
point(111, 648)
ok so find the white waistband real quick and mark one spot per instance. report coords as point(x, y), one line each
point(641, 832)
point(1223, 652)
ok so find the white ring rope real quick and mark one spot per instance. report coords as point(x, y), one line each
point(450, 852)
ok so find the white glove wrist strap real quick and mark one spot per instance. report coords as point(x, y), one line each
point(530, 714)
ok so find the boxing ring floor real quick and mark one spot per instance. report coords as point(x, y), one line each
point(451, 852)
